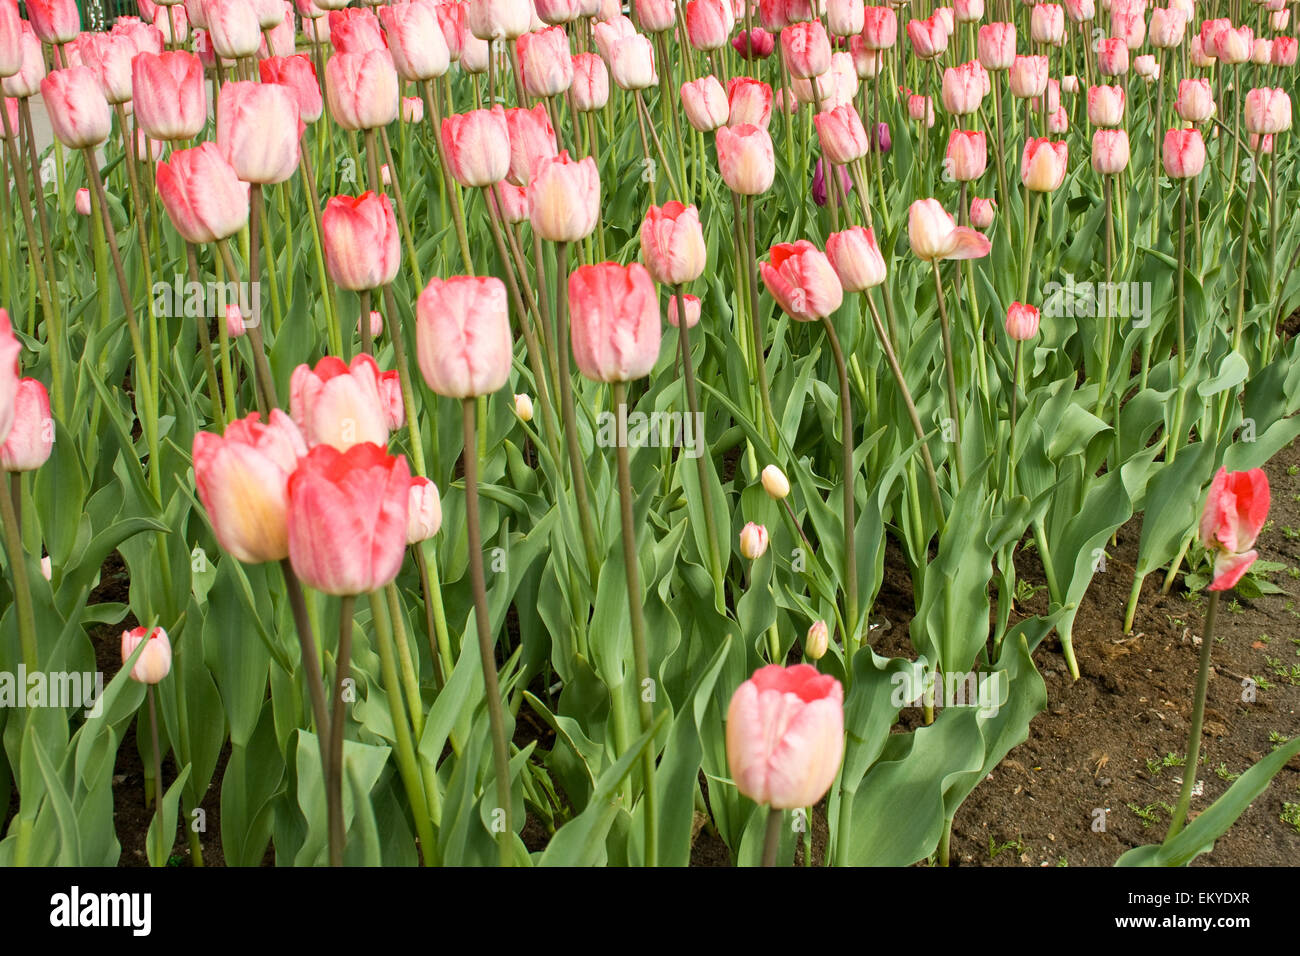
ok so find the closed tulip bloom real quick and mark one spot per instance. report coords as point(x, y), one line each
point(144, 36)
point(296, 74)
point(11, 32)
point(109, 57)
point(1053, 94)
point(79, 115)
point(31, 437)
point(10, 376)
point(1183, 153)
point(614, 321)
point(1022, 322)
point(1080, 11)
point(165, 24)
point(949, 19)
point(1106, 105)
point(257, 131)
point(967, 155)
point(817, 641)
point(880, 28)
point(968, 11)
point(1146, 67)
point(773, 14)
point(746, 159)
point(451, 20)
point(775, 483)
point(512, 201)
point(845, 18)
point(753, 541)
point(423, 510)
point(168, 93)
point(499, 19)
point(1196, 53)
point(1112, 57)
point(1069, 83)
point(705, 103)
point(1234, 46)
point(564, 198)
point(785, 735)
point(748, 101)
point(708, 23)
point(1167, 28)
point(233, 28)
point(155, 661)
point(856, 259)
point(362, 247)
point(462, 338)
point(415, 41)
point(655, 16)
point(1047, 24)
point(819, 195)
point(337, 404)
point(390, 382)
point(1234, 515)
point(27, 80)
point(806, 49)
point(590, 88)
point(546, 64)
point(362, 89)
point(1110, 151)
point(692, 311)
point(1279, 20)
point(934, 235)
point(632, 63)
point(802, 281)
point(1195, 103)
point(963, 88)
point(1284, 50)
point(1028, 76)
point(477, 145)
point(1043, 165)
point(612, 31)
point(982, 212)
point(1267, 110)
point(532, 140)
point(242, 479)
point(566, 11)
point(672, 243)
point(755, 44)
point(82, 202)
point(270, 13)
point(921, 109)
point(204, 197)
point(866, 62)
point(841, 134)
point(1261, 144)
point(55, 21)
point(929, 38)
point(348, 518)
point(1058, 123)
point(1129, 26)
point(523, 407)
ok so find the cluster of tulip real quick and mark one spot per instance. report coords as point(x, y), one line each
point(517, 189)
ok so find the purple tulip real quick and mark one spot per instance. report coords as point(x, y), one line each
point(819, 183)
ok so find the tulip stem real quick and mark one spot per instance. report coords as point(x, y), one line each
point(487, 647)
point(410, 680)
point(772, 838)
point(1198, 716)
point(435, 617)
point(706, 493)
point(760, 360)
point(310, 660)
point(645, 685)
point(407, 235)
point(333, 331)
point(205, 341)
point(22, 586)
point(334, 771)
point(266, 398)
point(846, 449)
point(157, 774)
point(363, 324)
point(953, 409)
point(659, 146)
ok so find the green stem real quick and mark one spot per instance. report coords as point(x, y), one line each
point(849, 476)
point(954, 410)
point(410, 680)
point(334, 772)
point(22, 588)
point(1198, 717)
point(772, 837)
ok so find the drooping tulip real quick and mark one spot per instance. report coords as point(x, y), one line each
point(934, 235)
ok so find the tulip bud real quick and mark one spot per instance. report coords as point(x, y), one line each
point(982, 212)
point(856, 258)
point(31, 438)
point(590, 88)
point(564, 198)
point(234, 322)
point(362, 247)
point(997, 45)
point(477, 145)
point(705, 103)
point(1234, 514)
point(257, 131)
point(749, 101)
point(204, 198)
point(753, 541)
point(423, 511)
point(1267, 110)
point(672, 243)
point(692, 309)
point(82, 202)
point(1106, 105)
point(1022, 322)
point(1110, 151)
point(775, 483)
point(806, 49)
point(802, 280)
point(79, 115)
point(546, 65)
point(1042, 165)
point(841, 135)
point(524, 408)
point(967, 155)
point(155, 661)
point(818, 641)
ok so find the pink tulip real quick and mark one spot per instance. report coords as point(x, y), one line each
point(867, 63)
point(203, 196)
point(233, 28)
point(708, 23)
point(355, 30)
point(964, 88)
point(477, 145)
point(845, 18)
point(1080, 11)
point(1183, 153)
point(753, 541)
point(1028, 76)
point(929, 38)
point(1234, 515)
point(362, 246)
point(296, 74)
point(27, 80)
point(512, 201)
point(1022, 322)
point(1167, 28)
point(257, 131)
point(546, 64)
point(611, 32)
point(748, 101)
point(167, 19)
point(390, 382)
point(242, 479)
point(31, 438)
point(880, 28)
point(856, 258)
point(415, 41)
point(499, 19)
point(614, 321)
point(655, 16)
point(1112, 57)
point(802, 280)
point(705, 103)
point(11, 31)
point(1106, 105)
point(841, 135)
point(982, 212)
point(362, 89)
point(1043, 165)
point(1234, 46)
point(348, 518)
point(968, 11)
point(746, 159)
point(967, 155)
point(155, 661)
point(564, 198)
point(934, 235)
point(532, 140)
point(339, 405)
point(785, 735)
point(921, 109)
point(109, 56)
point(1195, 103)
point(632, 63)
point(423, 511)
point(1129, 26)
point(1110, 151)
point(590, 89)
point(10, 376)
point(79, 115)
point(672, 244)
point(692, 312)
point(806, 49)
point(1284, 50)
point(1047, 24)
point(755, 44)
point(169, 96)
point(1267, 110)
point(462, 336)
point(451, 20)
point(55, 21)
